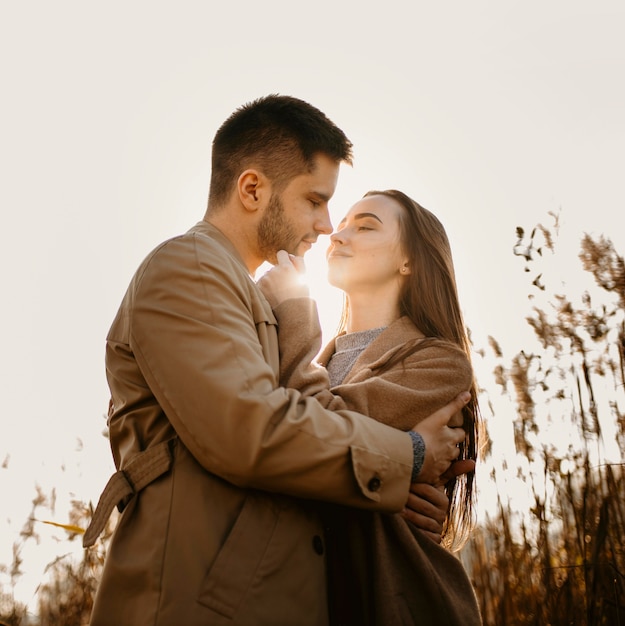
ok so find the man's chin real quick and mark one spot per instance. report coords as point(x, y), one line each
point(303, 248)
point(296, 250)
point(300, 250)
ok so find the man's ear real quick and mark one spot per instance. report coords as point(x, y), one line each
point(254, 189)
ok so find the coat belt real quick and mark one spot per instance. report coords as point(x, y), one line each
point(123, 484)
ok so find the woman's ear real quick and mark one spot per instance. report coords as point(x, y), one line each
point(405, 270)
point(253, 189)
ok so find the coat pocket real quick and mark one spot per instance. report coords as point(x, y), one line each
point(235, 567)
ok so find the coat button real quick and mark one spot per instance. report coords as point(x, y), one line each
point(374, 484)
point(317, 544)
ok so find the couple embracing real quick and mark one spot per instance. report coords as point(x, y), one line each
point(259, 483)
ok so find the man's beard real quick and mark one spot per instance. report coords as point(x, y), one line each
point(275, 232)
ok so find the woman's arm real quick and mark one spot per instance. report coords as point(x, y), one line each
point(401, 396)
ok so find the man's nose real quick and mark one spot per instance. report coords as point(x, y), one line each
point(324, 224)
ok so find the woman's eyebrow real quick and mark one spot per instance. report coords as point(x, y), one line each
point(360, 216)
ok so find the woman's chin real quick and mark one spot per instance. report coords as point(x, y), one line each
point(335, 279)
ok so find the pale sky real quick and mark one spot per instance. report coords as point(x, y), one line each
point(491, 114)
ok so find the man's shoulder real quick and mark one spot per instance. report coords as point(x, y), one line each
point(200, 248)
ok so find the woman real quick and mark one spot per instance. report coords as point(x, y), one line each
point(402, 351)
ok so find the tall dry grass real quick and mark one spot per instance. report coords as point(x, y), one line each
point(65, 595)
point(562, 561)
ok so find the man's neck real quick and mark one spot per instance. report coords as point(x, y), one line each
point(242, 240)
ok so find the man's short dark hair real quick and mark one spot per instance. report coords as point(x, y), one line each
point(280, 135)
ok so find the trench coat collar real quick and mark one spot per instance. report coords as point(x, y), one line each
point(207, 229)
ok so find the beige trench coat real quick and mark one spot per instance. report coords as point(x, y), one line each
point(218, 464)
point(384, 570)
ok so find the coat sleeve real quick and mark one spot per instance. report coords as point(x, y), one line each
point(425, 381)
point(194, 329)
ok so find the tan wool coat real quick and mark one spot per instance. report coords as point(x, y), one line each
point(219, 466)
point(383, 569)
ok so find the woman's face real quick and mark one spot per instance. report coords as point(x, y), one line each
point(365, 251)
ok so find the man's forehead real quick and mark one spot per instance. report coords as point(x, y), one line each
point(324, 166)
point(321, 178)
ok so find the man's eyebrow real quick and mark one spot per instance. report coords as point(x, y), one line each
point(322, 196)
point(362, 216)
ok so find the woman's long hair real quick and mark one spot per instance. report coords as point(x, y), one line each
point(429, 298)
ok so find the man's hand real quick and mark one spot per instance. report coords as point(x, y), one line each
point(427, 508)
point(427, 505)
point(441, 441)
point(284, 280)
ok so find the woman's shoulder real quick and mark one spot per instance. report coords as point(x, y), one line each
point(406, 334)
point(433, 347)
point(436, 345)
point(436, 353)
point(402, 347)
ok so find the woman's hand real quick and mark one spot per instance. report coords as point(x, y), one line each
point(284, 280)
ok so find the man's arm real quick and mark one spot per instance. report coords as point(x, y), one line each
point(299, 334)
point(424, 381)
point(195, 323)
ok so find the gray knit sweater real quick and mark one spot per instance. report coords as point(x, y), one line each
point(347, 349)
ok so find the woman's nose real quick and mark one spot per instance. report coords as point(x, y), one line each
point(337, 237)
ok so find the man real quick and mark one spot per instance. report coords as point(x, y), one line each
point(220, 467)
